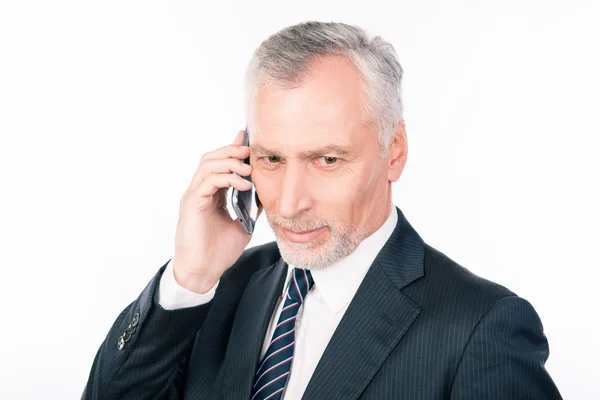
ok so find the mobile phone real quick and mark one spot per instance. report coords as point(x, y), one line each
point(245, 203)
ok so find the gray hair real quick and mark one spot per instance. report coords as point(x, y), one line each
point(283, 58)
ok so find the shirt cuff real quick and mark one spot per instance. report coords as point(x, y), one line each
point(173, 296)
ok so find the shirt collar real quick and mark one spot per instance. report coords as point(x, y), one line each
point(339, 282)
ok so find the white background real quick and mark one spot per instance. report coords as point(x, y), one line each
point(106, 108)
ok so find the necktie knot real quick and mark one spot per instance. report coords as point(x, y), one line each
point(300, 284)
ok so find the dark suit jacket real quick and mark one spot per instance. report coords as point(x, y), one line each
point(419, 327)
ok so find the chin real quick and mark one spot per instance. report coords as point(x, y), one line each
point(326, 249)
point(313, 255)
point(302, 255)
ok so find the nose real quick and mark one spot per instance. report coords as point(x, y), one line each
point(294, 194)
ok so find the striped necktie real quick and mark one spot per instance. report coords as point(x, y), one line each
point(274, 368)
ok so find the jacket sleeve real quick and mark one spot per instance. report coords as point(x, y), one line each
point(145, 353)
point(505, 356)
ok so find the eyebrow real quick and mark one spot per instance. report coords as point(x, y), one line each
point(329, 149)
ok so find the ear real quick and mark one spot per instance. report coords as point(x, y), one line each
point(397, 152)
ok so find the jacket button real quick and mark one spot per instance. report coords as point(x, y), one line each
point(136, 319)
point(131, 329)
point(121, 343)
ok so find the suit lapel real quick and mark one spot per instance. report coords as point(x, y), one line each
point(375, 321)
point(249, 329)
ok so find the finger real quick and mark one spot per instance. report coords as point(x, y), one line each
point(214, 182)
point(230, 151)
point(227, 165)
point(220, 166)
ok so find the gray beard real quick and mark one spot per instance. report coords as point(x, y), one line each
point(343, 240)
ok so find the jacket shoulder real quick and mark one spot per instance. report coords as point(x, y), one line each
point(439, 265)
point(451, 289)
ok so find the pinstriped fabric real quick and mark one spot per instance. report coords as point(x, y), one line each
point(374, 323)
point(274, 369)
point(490, 368)
point(473, 339)
point(420, 327)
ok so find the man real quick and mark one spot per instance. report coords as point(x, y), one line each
point(349, 302)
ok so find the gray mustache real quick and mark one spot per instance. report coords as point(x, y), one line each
point(298, 225)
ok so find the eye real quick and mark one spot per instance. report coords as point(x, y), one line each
point(326, 160)
point(273, 159)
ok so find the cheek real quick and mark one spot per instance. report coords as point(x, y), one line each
point(342, 190)
point(267, 188)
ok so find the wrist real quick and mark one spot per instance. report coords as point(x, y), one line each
point(200, 283)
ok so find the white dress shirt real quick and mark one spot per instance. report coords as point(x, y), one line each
point(318, 317)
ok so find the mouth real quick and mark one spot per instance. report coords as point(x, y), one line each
point(301, 236)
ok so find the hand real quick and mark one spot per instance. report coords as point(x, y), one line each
point(208, 240)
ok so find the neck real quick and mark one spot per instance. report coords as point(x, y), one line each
point(380, 214)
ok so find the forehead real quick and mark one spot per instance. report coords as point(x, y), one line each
point(327, 106)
